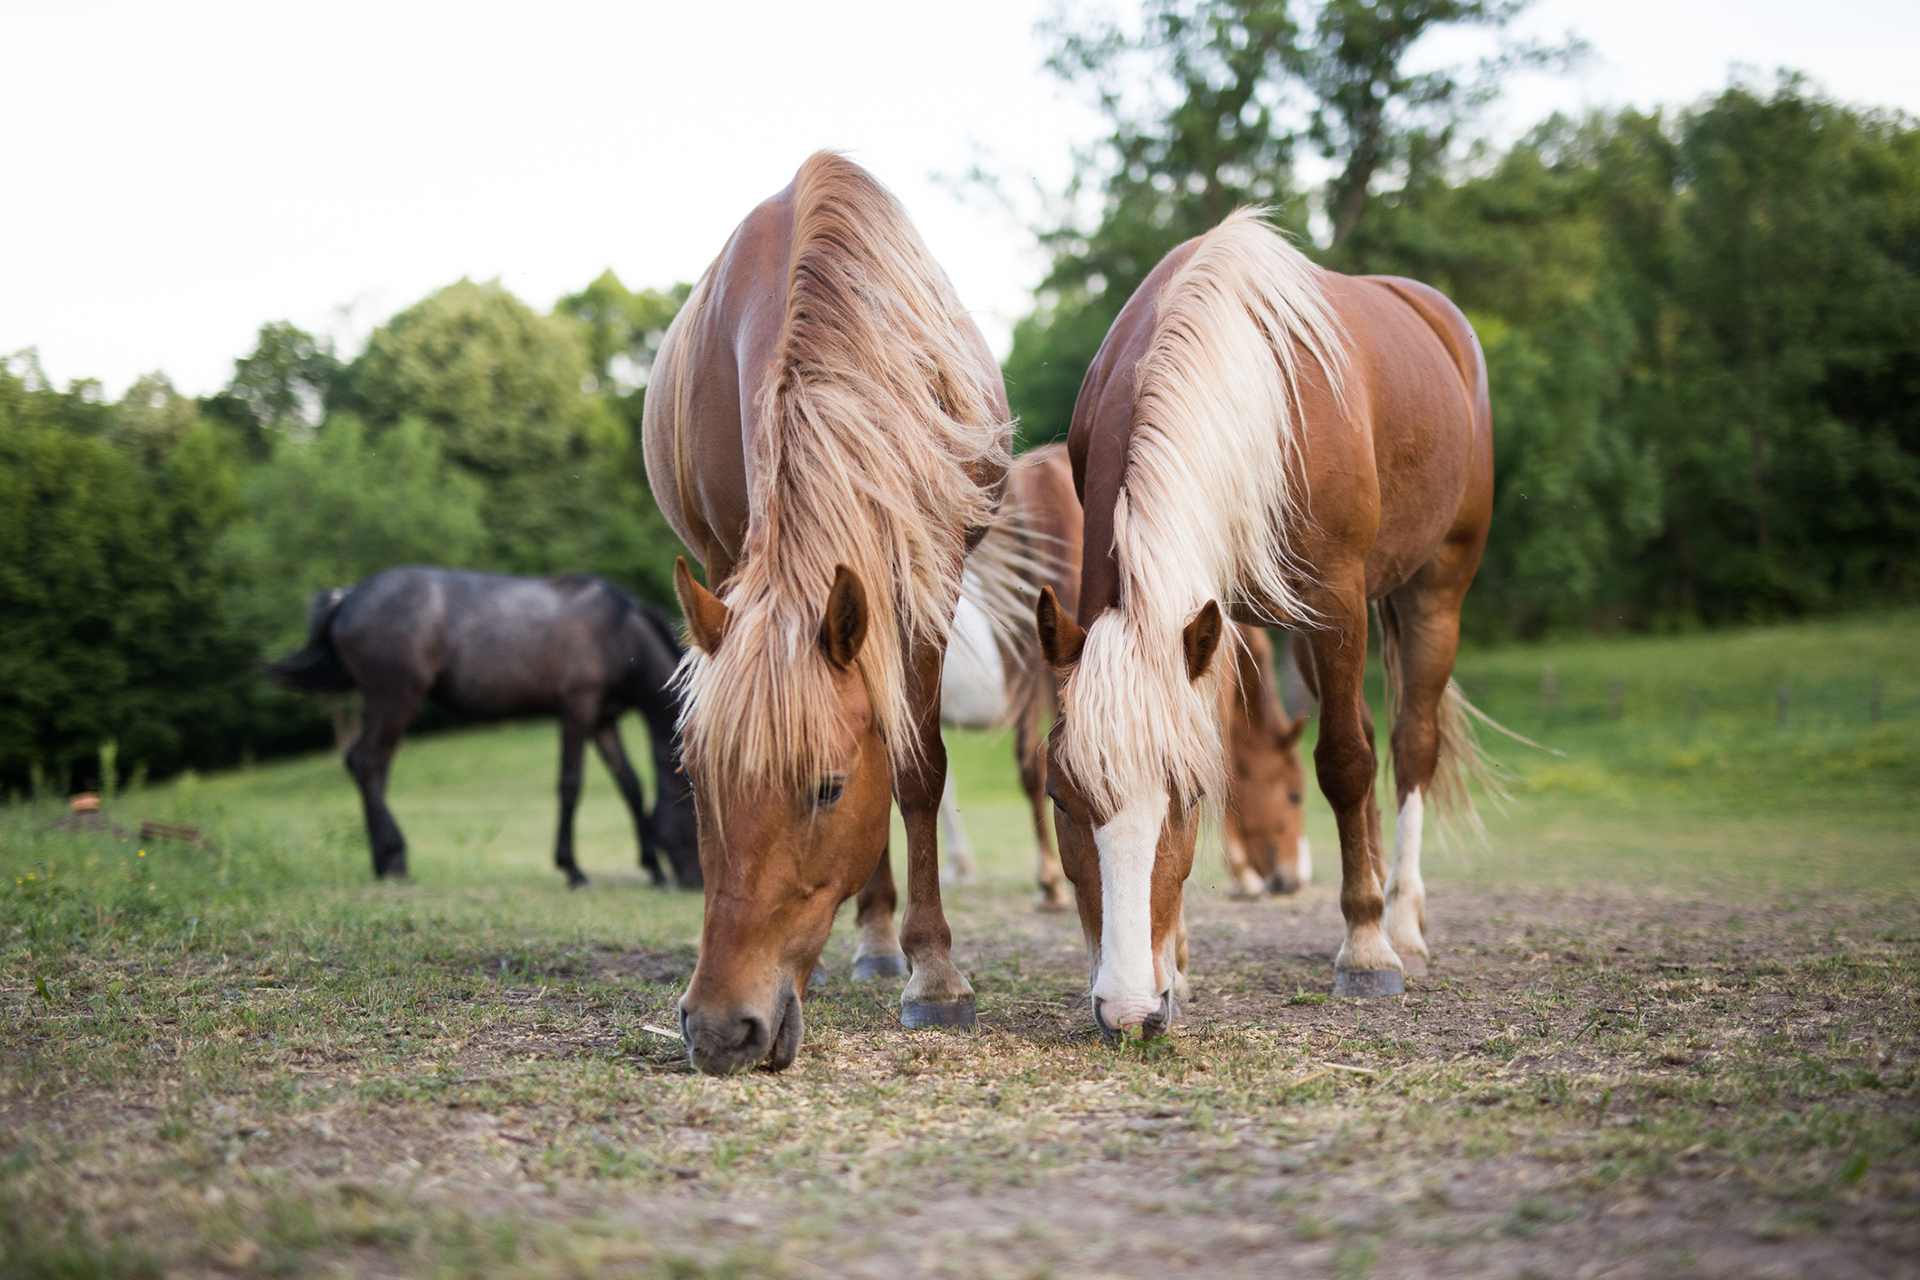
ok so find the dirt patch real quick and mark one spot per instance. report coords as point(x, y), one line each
point(1586, 1084)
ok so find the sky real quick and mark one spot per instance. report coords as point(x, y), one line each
point(175, 175)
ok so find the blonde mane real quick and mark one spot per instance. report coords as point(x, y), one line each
point(1212, 485)
point(872, 428)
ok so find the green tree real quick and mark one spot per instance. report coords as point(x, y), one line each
point(1225, 78)
point(111, 590)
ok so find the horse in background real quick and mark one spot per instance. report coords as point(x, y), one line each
point(827, 431)
point(1264, 816)
point(491, 647)
point(985, 687)
point(992, 679)
point(1263, 437)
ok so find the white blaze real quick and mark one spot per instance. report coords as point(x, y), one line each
point(1127, 842)
point(1305, 864)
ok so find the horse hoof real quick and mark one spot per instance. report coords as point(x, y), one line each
point(867, 968)
point(1362, 984)
point(1415, 964)
point(818, 978)
point(581, 883)
point(919, 1015)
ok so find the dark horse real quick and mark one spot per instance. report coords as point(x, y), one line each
point(492, 648)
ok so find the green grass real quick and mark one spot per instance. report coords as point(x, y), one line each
point(1679, 979)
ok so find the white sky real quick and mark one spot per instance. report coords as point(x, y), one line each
point(176, 174)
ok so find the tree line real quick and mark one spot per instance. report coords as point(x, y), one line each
point(1702, 328)
point(159, 545)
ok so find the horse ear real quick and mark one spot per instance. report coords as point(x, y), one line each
point(1060, 636)
point(845, 627)
point(1287, 737)
point(1202, 638)
point(707, 615)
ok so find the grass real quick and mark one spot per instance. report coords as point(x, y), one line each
point(1672, 1023)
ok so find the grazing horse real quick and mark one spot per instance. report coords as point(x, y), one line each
point(827, 431)
point(1289, 443)
point(983, 688)
point(1264, 819)
point(494, 648)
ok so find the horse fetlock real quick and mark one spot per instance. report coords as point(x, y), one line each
point(1247, 885)
point(1365, 951)
point(1406, 925)
point(936, 981)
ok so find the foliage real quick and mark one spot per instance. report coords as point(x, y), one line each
point(158, 546)
point(1236, 86)
point(112, 626)
point(1702, 328)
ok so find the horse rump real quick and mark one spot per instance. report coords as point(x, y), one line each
point(316, 667)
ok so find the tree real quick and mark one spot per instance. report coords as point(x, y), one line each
point(1211, 133)
point(623, 329)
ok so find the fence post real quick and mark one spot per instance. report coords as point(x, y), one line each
point(1783, 699)
point(1617, 697)
point(1549, 687)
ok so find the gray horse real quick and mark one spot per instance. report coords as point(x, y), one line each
point(493, 648)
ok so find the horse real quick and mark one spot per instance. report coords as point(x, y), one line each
point(1261, 437)
point(983, 688)
point(492, 647)
point(1263, 819)
point(828, 433)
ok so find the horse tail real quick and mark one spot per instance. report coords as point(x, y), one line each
point(316, 668)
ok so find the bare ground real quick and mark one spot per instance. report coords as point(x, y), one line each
point(1587, 1084)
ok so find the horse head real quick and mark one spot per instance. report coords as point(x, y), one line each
point(1127, 833)
point(782, 841)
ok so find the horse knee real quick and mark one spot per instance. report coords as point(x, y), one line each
point(1345, 770)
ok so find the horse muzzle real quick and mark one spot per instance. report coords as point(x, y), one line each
point(1152, 1019)
point(724, 1041)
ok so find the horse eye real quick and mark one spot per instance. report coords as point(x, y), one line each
point(1056, 802)
point(828, 792)
point(1293, 797)
point(1198, 796)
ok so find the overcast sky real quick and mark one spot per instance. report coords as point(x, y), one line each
point(176, 174)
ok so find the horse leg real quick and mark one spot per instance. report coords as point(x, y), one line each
point(877, 953)
point(369, 760)
point(573, 745)
point(959, 849)
point(1344, 762)
point(613, 754)
point(1030, 750)
point(938, 994)
point(1424, 616)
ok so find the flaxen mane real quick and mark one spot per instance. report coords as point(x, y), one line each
point(871, 431)
point(1212, 483)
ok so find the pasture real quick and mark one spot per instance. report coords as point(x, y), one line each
point(1671, 1027)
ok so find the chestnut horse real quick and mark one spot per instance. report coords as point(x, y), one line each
point(1264, 818)
point(984, 687)
point(1287, 444)
point(827, 431)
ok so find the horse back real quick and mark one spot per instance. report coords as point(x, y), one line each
point(1102, 426)
point(1040, 488)
point(708, 384)
point(1417, 387)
